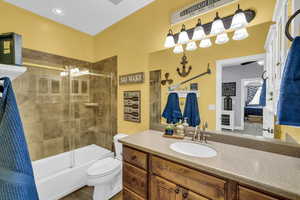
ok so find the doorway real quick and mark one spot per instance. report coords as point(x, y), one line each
point(238, 87)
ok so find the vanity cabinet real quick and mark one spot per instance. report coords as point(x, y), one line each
point(149, 177)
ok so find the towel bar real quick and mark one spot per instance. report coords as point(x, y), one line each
point(287, 27)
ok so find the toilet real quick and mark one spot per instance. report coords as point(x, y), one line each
point(106, 175)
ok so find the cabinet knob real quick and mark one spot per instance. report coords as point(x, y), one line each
point(185, 195)
point(133, 157)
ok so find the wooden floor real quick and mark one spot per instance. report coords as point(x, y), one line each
point(86, 193)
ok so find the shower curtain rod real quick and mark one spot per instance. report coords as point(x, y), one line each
point(27, 64)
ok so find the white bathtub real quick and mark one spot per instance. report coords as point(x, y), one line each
point(54, 176)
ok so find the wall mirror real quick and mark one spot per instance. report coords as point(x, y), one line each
point(230, 98)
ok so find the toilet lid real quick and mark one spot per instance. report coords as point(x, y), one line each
point(104, 167)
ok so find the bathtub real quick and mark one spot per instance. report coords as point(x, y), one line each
point(55, 178)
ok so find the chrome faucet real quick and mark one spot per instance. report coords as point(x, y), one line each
point(199, 135)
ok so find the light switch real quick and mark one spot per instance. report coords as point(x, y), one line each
point(212, 107)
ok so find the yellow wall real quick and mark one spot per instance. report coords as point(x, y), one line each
point(142, 33)
point(292, 131)
point(132, 39)
point(167, 61)
point(45, 35)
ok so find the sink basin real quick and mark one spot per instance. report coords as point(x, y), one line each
point(193, 149)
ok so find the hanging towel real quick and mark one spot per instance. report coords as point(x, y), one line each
point(172, 110)
point(288, 109)
point(16, 174)
point(191, 110)
point(263, 94)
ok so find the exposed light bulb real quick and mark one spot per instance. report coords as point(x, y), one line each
point(199, 32)
point(240, 34)
point(191, 46)
point(261, 62)
point(222, 38)
point(205, 43)
point(217, 26)
point(170, 42)
point(183, 36)
point(58, 11)
point(239, 20)
point(178, 49)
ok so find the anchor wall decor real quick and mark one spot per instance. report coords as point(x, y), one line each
point(169, 81)
point(184, 72)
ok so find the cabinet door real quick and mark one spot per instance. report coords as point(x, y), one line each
point(129, 195)
point(247, 194)
point(189, 195)
point(164, 190)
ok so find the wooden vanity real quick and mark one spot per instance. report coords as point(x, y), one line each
point(149, 177)
point(152, 171)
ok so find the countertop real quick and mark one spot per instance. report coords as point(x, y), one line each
point(270, 172)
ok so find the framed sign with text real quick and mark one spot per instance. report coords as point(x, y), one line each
point(132, 106)
point(132, 78)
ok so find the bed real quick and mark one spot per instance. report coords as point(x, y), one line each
point(255, 110)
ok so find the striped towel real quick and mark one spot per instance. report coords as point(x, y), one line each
point(16, 174)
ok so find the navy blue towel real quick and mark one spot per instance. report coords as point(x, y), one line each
point(191, 110)
point(263, 94)
point(288, 109)
point(172, 110)
point(16, 174)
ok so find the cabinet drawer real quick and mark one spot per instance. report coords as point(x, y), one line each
point(128, 195)
point(137, 158)
point(247, 194)
point(135, 179)
point(194, 180)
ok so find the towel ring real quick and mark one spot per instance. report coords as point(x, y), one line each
point(263, 75)
point(287, 27)
point(1, 88)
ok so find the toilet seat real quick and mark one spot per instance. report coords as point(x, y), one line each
point(104, 167)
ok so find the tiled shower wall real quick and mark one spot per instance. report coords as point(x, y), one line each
point(59, 113)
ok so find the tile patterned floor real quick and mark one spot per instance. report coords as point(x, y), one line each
point(86, 193)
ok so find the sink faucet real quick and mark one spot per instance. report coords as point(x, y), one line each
point(199, 135)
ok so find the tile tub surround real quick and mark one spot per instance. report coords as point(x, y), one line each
point(43, 102)
point(274, 173)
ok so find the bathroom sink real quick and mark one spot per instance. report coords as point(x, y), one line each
point(194, 149)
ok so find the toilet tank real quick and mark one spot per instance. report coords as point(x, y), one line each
point(118, 145)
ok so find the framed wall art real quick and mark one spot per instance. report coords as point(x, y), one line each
point(132, 106)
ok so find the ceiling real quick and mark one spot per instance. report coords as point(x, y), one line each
point(88, 16)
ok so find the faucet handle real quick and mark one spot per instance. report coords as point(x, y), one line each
point(205, 137)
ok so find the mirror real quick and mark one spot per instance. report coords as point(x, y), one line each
point(230, 98)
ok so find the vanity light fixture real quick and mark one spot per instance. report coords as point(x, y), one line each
point(222, 38)
point(191, 46)
point(170, 42)
point(205, 43)
point(239, 19)
point(240, 34)
point(183, 36)
point(199, 32)
point(217, 26)
point(178, 49)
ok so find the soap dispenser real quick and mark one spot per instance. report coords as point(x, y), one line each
point(185, 125)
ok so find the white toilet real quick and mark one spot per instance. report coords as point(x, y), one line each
point(106, 175)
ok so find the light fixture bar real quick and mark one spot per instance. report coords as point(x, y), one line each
point(250, 15)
